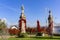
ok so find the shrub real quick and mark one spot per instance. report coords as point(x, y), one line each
point(39, 34)
point(23, 35)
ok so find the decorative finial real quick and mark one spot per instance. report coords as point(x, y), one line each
point(22, 7)
point(49, 12)
point(22, 12)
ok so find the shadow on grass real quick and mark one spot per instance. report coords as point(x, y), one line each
point(46, 37)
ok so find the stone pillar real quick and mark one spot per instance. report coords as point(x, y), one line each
point(38, 26)
point(50, 24)
point(38, 29)
point(22, 21)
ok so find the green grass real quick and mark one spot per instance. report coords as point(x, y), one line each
point(36, 38)
point(30, 39)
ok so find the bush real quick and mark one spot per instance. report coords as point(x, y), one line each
point(23, 35)
point(39, 34)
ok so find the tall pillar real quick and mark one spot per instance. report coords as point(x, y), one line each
point(38, 26)
point(22, 21)
point(38, 29)
point(50, 24)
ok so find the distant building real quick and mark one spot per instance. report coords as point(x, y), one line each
point(13, 30)
point(56, 30)
point(13, 27)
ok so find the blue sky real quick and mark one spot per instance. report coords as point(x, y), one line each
point(34, 10)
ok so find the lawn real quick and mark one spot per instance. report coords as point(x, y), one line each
point(36, 38)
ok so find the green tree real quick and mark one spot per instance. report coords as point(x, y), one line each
point(2, 25)
point(3, 29)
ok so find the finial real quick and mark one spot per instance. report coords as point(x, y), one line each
point(49, 12)
point(22, 7)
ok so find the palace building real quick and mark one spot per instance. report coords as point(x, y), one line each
point(22, 23)
point(22, 27)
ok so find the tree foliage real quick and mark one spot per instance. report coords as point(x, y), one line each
point(2, 25)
